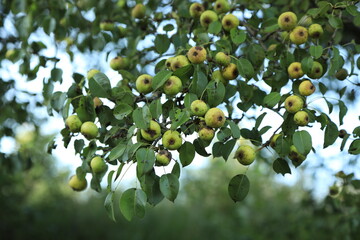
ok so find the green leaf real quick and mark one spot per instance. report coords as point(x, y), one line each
point(122, 110)
point(235, 130)
point(323, 88)
point(85, 109)
point(117, 152)
point(169, 186)
point(155, 109)
point(342, 112)
point(245, 68)
point(145, 158)
point(199, 82)
point(176, 170)
point(259, 120)
point(215, 27)
point(215, 93)
point(352, 10)
point(142, 117)
point(58, 100)
point(56, 74)
point(180, 118)
point(280, 165)
point(306, 64)
point(355, 147)
point(227, 148)
point(160, 78)
point(331, 134)
point(272, 99)
point(302, 142)
point(150, 183)
point(99, 85)
point(186, 153)
point(79, 145)
point(189, 98)
point(239, 187)
point(132, 203)
point(335, 22)
point(109, 205)
point(282, 146)
point(162, 43)
point(237, 36)
point(316, 51)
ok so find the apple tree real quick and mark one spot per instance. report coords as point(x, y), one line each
point(195, 79)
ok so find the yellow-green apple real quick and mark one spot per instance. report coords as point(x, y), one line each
point(299, 35)
point(197, 54)
point(144, 83)
point(287, 21)
point(172, 140)
point(206, 133)
point(98, 165)
point(199, 108)
point(172, 86)
point(315, 30)
point(77, 184)
point(229, 22)
point(168, 62)
point(152, 133)
point(179, 62)
point(207, 17)
point(215, 118)
point(138, 11)
point(316, 70)
point(222, 59)
point(306, 88)
point(118, 63)
point(273, 140)
point(230, 72)
point(89, 130)
point(301, 118)
point(107, 25)
point(221, 6)
point(295, 156)
point(73, 123)
point(293, 104)
point(163, 158)
point(245, 154)
point(295, 70)
point(196, 9)
point(218, 77)
point(91, 73)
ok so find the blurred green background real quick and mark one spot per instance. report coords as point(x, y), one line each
point(36, 203)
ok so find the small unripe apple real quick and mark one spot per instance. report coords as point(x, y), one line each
point(295, 156)
point(221, 6)
point(197, 54)
point(293, 104)
point(207, 18)
point(10, 54)
point(301, 118)
point(230, 72)
point(215, 118)
point(172, 86)
point(229, 22)
point(196, 9)
point(287, 21)
point(299, 35)
point(222, 59)
point(198, 108)
point(315, 30)
point(334, 191)
point(341, 74)
point(273, 140)
point(107, 25)
point(89, 130)
point(342, 133)
point(98, 165)
point(206, 133)
point(118, 63)
point(316, 70)
point(144, 83)
point(122, 31)
point(295, 70)
point(152, 133)
point(306, 88)
point(172, 140)
point(179, 62)
point(245, 154)
point(218, 77)
point(163, 158)
point(138, 11)
point(97, 102)
point(91, 73)
point(168, 62)
point(73, 123)
point(77, 184)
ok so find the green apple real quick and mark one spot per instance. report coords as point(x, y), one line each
point(299, 35)
point(91, 73)
point(73, 123)
point(163, 158)
point(144, 83)
point(118, 63)
point(342, 133)
point(218, 77)
point(341, 74)
point(168, 62)
point(315, 30)
point(97, 102)
point(138, 11)
point(107, 25)
point(207, 18)
point(306, 88)
point(293, 104)
point(334, 191)
point(122, 31)
point(198, 108)
point(179, 62)
point(287, 21)
point(11, 54)
point(89, 130)
point(245, 154)
point(229, 22)
point(301, 118)
point(316, 70)
point(273, 140)
point(206, 133)
point(197, 54)
point(77, 184)
point(215, 118)
point(172, 140)
point(221, 6)
point(296, 157)
point(172, 86)
point(152, 133)
point(98, 165)
point(196, 9)
point(295, 70)
point(222, 59)
point(230, 72)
